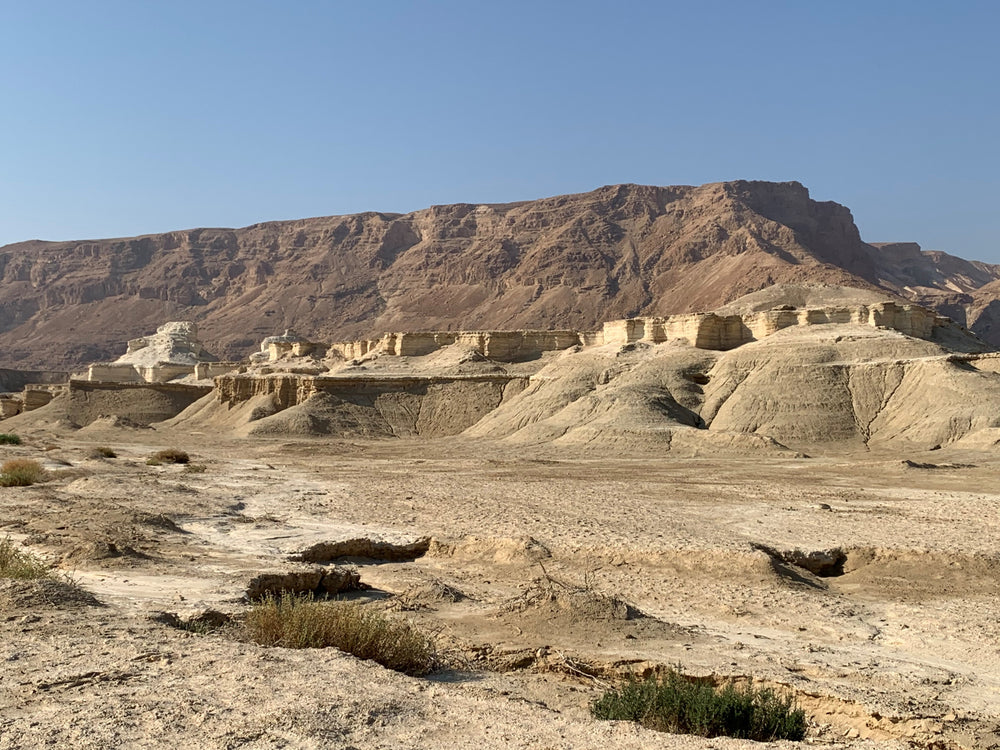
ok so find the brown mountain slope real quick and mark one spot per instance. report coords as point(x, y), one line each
point(562, 262)
point(966, 291)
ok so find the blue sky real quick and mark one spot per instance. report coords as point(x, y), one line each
point(122, 118)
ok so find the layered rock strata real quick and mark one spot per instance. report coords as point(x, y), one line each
point(715, 331)
point(708, 330)
point(565, 262)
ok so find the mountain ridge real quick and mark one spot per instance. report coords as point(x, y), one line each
point(569, 261)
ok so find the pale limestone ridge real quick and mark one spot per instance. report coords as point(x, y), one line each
point(723, 332)
point(708, 330)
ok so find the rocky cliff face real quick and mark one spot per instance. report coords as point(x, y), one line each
point(570, 261)
point(968, 292)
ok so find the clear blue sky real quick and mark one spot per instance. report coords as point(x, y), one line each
point(130, 117)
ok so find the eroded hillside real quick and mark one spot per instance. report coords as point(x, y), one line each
point(570, 261)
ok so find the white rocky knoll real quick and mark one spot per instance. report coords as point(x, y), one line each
point(174, 351)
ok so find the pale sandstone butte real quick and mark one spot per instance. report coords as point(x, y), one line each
point(567, 262)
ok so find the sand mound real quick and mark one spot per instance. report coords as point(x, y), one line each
point(114, 422)
point(102, 550)
point(55, 415)
point(805, 296)
point(556, 598)
point(430, 595)
point(504, 550)
point(382, 409)
point(209, 413)
point(844, 385)
point(111, 405)
point(48, 592)
point(849, 385)
point(371, 549)
point(325, 414)
point(632, 389)
point(314, 581)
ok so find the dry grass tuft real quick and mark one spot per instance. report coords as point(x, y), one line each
point(20, 472)
point(103, 451)
point(673, 703)
point(301, 622)
point(20, 565)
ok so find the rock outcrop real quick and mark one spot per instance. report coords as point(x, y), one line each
point(286, 345)
point(173, 343)
point(173, 352)
point(567, 262)
point(709, 330)
point(502, 346)
point(728, 331)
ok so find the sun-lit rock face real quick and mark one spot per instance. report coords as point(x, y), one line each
point(174, 343)
point(288, 344)
point(722, 332)
point(568, 262)
point(706, 330)
point(173, 352)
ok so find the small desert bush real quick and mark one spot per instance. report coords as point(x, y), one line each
point(301, 622)
point(195, 469)
point(103, 451)
point(168, 456)
point(20, 472)
point(15, 563)
point(7, 438)
point(672, 703)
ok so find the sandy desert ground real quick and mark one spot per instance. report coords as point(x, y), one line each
point(548, 572)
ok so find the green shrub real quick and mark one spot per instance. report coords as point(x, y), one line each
point(300, 622)
point(168, 456)
point(672, 703)
point(103, 451)
point(7, 438)
point(20, 472)
point(17, 564)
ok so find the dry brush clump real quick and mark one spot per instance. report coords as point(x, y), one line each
point(20, 472)
point(168, 456)
point(27, 582)
point(20, 565)
point(673, 703)
point(103, 451)
point(302, 622)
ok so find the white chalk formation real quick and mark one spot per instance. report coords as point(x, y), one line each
point(172, 353)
